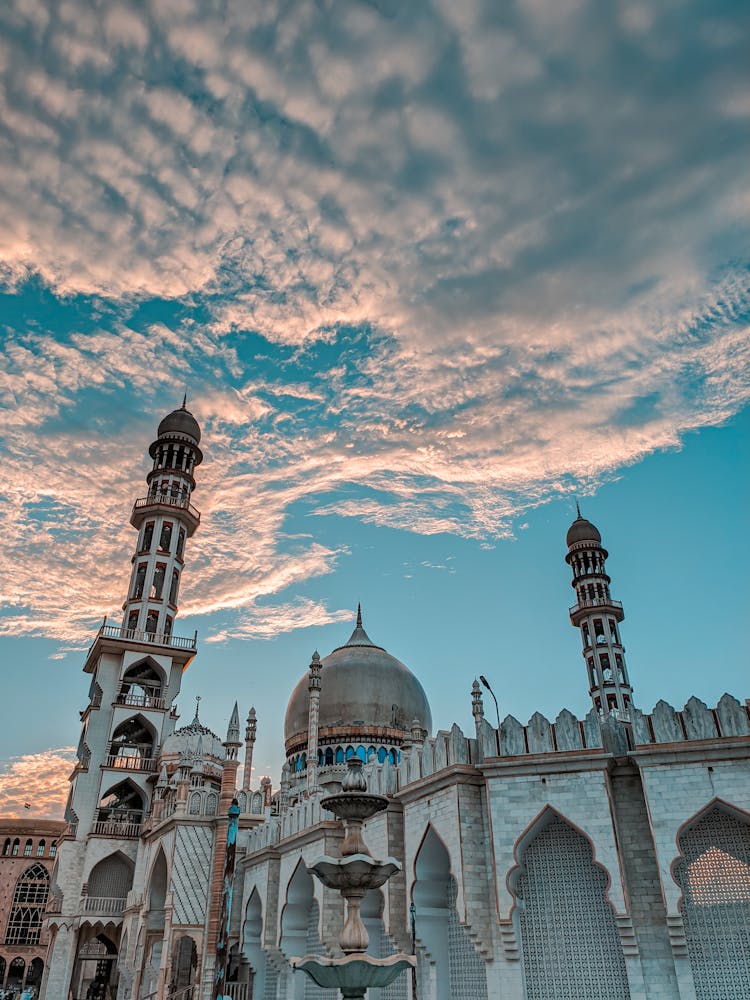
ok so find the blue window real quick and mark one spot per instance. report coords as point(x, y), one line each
point(382, 754)
point(339, 755)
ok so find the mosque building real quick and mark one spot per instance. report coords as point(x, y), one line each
point(605, 858)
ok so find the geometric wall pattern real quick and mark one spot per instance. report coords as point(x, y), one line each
point(191, 871)
point(467, 972)
point(569, 940)
point(714, 875)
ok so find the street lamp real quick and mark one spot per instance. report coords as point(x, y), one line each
point(413, 925)
point(486, 683)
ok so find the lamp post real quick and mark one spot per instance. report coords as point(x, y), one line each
point(413, 925)
point(486, 683)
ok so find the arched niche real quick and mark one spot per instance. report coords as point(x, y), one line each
point(122, 805)
point(299, 930)
point(252, 947)
point(184, 963)
point(157, 890)
point(713, 872)
point(458, 972)
point(134, 737)
point(142, 683)
point(111, 878)
point(565, 922)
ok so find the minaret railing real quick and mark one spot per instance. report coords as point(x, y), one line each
point(594, 602)
point(141, 635)
point(167, 500)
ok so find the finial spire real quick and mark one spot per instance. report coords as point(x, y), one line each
point(184, 400)
point(359, 615)
point(578, 509)
point(197, 702)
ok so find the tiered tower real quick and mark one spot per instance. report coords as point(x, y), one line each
point(598, 616)
point(136, 671)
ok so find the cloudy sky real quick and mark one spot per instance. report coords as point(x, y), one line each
point(426, 271)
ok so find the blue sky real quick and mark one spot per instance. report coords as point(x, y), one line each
point(426, 272)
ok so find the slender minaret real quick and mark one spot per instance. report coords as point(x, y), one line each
point(598, 616)
point(312, 723)
point(477, 706)
point(164, 518)
point(136, 671)
point(250, 734)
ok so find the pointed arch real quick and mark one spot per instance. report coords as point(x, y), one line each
point(713, 873)
point(459, 972)
point(112, 877)
point(123, 803)
point(565, 921)
point(158, 881)
point(27, 908)
point(252, 944)
point(300, 933)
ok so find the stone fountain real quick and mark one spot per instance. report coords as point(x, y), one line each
point(352, 875)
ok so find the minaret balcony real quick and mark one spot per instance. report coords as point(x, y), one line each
point(577, 611)
point(156, 503)
point(116, 828)
point(131, 762)
point(155, 638)
point(140, 700)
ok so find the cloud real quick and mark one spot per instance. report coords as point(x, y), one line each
point(424, 265)
point(40, 779)
point(268, 622)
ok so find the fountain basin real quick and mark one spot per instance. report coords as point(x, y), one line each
point(355, 973)
point(356, 871)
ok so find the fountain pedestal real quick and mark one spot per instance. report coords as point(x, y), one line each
point(353, 874)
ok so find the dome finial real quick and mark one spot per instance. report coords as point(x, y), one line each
point(197, 702)
point(359, 615)
point(578, 509)
point(184, 400)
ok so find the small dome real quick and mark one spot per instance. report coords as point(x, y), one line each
point(189, 740)
point(582, 530)
point(180, 421)
point(361, 685)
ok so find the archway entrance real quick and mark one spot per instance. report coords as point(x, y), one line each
point(95, 971)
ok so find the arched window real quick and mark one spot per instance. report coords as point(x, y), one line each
point(329, 755)
point(53, 850)
point(16, 847)
point(27, 910)
point(370, 752)
point(339, 755)
point(6, 847)
point(382, 754)
point(361, 753)
point(714, 875)
point(559, 887)
point(40, 848)
point(111, 878)
point(16, 970)
point(349, 752)
point(28, 847)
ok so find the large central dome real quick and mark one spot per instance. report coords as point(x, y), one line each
point(364, 691)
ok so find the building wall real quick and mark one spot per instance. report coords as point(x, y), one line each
point(11, 869)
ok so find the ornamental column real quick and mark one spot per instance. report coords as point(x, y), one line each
point(313, 687)
point(250, 734)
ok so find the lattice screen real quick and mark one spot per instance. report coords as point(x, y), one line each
point(112, 878)
point(467, 969)
point(29, 902)
point(569, 940)
point(714, 876)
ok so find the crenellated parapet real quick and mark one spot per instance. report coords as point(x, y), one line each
point(566, 734)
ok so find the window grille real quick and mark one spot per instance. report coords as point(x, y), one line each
point(714, 875)
point(569, 940)
point(27, 849)
point(40, 849)
point(27, 910)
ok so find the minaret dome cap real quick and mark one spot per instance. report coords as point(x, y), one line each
point(582, 530)
point(180, 421)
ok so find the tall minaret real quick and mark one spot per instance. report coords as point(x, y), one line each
point(313, 686)
point(598, 616)
point(165, 518)
point(250, 734)
point(136, 671)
